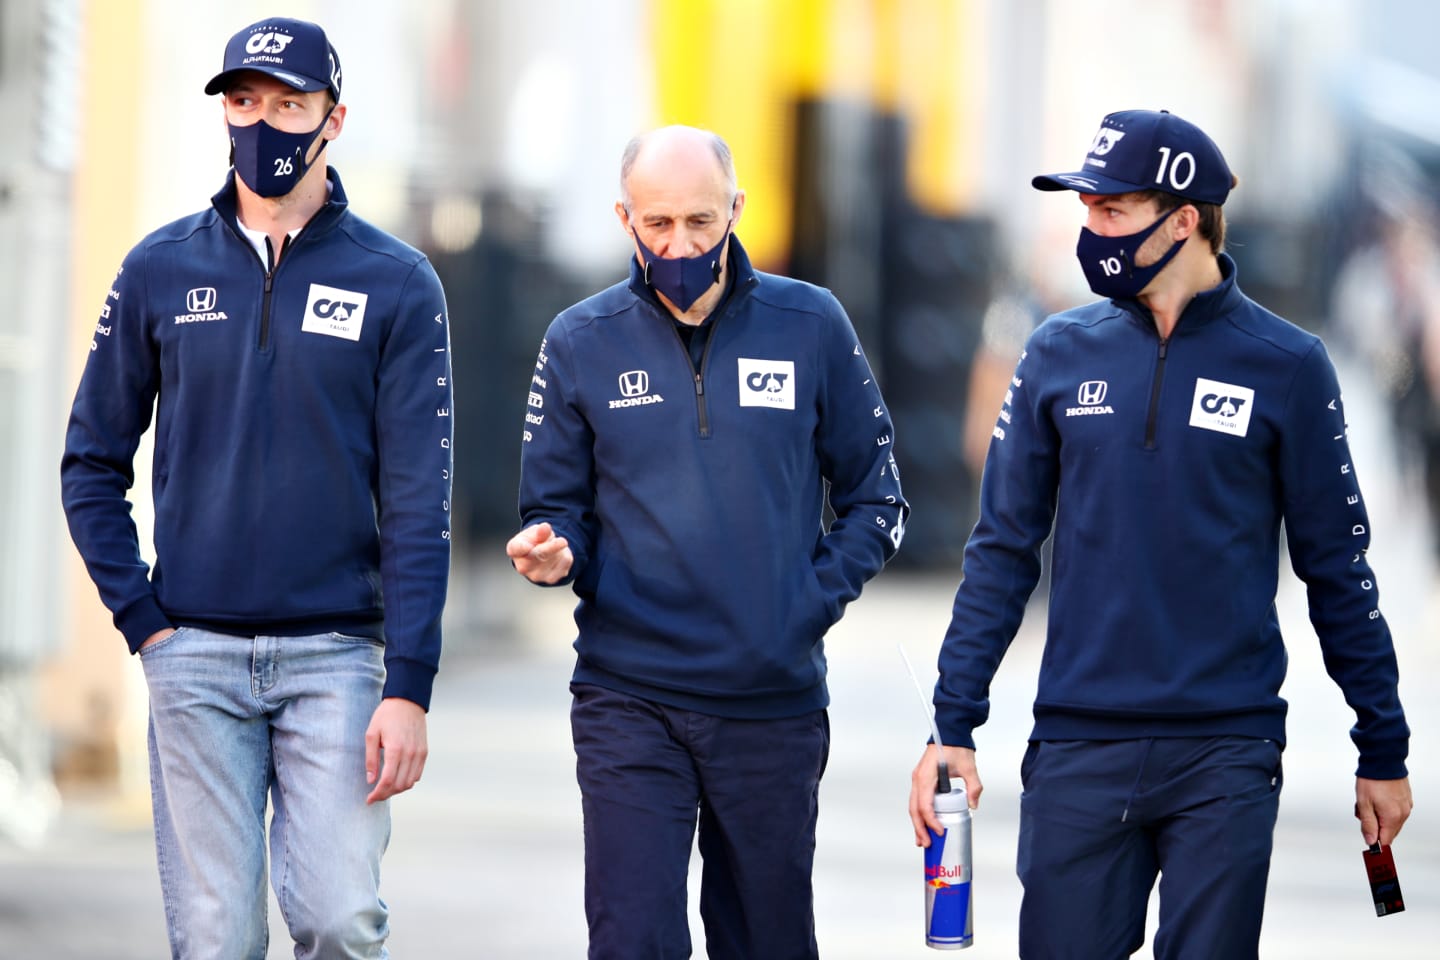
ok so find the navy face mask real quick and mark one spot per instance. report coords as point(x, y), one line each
point(269, 161)
point(683, 279)
point(1109, 262)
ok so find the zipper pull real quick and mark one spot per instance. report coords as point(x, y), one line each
point(699, 386)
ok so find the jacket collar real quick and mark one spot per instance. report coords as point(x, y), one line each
point(226, 202)
point(737, 263)
point(1204, 307)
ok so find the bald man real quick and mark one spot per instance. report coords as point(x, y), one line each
point(684, 430)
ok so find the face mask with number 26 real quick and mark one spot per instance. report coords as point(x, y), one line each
point(269, 161)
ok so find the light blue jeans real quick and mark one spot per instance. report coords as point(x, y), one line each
point(232, 720)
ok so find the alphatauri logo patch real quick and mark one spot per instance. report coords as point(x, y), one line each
point(767, 383)
point(1222, 407)
point(334, 312)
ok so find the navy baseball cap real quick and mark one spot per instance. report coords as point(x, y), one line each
point(1148, 150)
point(295, 52)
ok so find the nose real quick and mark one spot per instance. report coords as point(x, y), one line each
point(1095, 222)
point(686, 241)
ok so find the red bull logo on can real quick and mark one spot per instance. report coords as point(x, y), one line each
point(947, 892)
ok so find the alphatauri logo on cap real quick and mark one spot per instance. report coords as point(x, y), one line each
point(1105, 141)
point(268, 43)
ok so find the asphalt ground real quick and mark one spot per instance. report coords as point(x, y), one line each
point(486, 855)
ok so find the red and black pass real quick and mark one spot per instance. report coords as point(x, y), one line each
point(1384, 884)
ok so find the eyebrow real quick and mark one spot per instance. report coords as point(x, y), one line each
point(248, 87)
point(690, 215)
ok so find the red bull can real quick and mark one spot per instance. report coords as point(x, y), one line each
point(948, 875)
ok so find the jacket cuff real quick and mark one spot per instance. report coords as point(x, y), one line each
point(409, 680)
point(955, 733)
point(577, 550)
point(141, 619)
point(1382, 768)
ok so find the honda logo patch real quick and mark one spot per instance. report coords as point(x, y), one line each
point(634, 383)
point(200, 300)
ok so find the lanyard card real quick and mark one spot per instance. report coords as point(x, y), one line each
point(1384, 884)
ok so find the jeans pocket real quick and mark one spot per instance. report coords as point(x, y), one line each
point(162, 643)
point(352, 638)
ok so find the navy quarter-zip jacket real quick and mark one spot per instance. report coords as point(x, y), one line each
point(302, 463)
point(1167, 468)
point(692, 496)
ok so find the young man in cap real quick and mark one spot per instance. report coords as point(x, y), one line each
point(290, 628)
point(1164, 433)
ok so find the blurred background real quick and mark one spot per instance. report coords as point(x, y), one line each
point(886, 147)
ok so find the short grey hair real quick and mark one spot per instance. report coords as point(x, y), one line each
point(718, 146)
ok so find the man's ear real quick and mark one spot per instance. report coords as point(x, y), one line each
point(335, 123)
point(1185, 221)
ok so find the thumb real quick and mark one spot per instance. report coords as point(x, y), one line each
point(1369, 822)
point(972, 790)
point(524, 542)
point(372, 753)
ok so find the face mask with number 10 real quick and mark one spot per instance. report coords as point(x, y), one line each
point(1109, 262)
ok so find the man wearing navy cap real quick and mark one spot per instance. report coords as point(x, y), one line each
point(1163, 434)
point(296, 362)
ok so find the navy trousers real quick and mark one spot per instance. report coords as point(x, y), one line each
point(1099, 820)
point(648, 774)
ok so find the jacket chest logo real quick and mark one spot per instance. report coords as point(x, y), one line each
point(1090, 399)
point(1222, 407)
point(767, 383)
point(200, 307)
point(634, 388)
point(334, 312)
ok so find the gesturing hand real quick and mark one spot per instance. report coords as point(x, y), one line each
point(539, 555)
